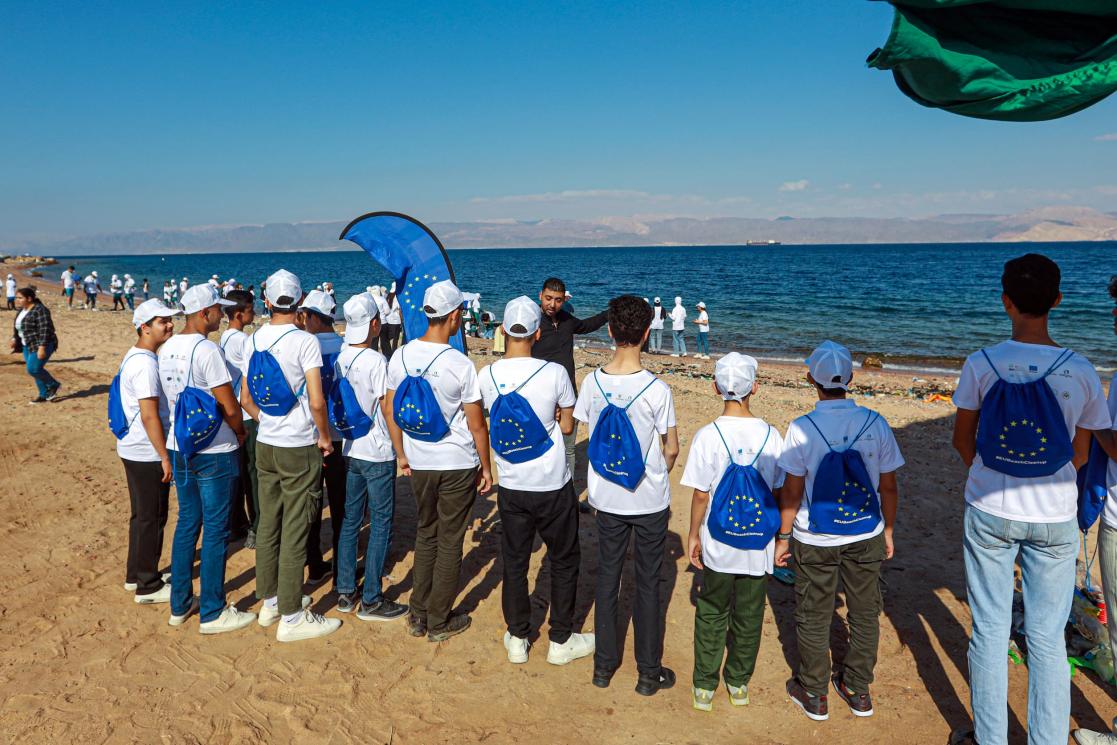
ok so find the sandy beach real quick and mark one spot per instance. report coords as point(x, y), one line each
point(83, 663)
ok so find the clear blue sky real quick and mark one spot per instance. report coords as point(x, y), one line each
point(129, 115)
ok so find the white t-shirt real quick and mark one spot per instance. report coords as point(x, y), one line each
point(658, 314)
point(92, 286)
point(67, 280)
point(1109, 516)
point(296, 351)
point(678, 318)
point(803, 449)
point(454, 382)
point(393, 316)
point(236, 346)
point(703, 322)
point(1078, 390)
point(367, 371)
point(116, 285)
point(139, 379)
point(129, 286)
point(19, 325)
point(331, 344)
point(705, 466)
point(207, 372)
point(652, 414)
point(10, 284)
point(382, 308)
point(549, 387)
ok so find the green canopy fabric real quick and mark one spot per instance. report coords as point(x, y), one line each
point(1009, 60)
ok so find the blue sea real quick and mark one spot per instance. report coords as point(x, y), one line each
point(923, 306)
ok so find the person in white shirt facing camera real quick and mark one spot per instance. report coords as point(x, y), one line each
point(434, 413)
point(703, 323)
point(142, 418)
point(678, 329)
point(536, 493)
point(283, 392)
point(734, 459)
point(370, 487)
point(205, 433)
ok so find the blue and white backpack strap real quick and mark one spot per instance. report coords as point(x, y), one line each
point(724, 443)
point(529, 377)
point(762, 446)
point(816, 429)
point(991, 365)
point(431, 364)
point(869, 421)
point(1064, 356)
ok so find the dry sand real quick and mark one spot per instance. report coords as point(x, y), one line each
point(82, 663)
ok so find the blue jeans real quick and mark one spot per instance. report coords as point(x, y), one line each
point(204, 497)
point(373, 486)
point(704, 342)
point(656, 344)
point(678, 343)
point(1047, 554)
point(36, 368)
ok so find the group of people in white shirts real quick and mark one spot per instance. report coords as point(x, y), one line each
point(678, 318)
point(791, 484)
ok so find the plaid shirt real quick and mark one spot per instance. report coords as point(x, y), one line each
point(38, 328)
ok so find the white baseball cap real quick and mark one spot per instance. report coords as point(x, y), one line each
point(94, 273)
point(678, 300)
point(657, 301)
point(151, 309)
point(441, 298)
point(523, 312)
point(735, 374)
point(360, 311)
point(283, 290)
point(200, 297)
point(320, 302)
point(701, 305)
point(831, 365)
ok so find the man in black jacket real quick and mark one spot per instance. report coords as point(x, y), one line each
point(556, 341)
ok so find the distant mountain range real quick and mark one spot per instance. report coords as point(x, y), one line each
point(1048, 224)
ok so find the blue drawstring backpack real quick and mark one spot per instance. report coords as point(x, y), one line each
point(240, 375)
point(119, 423)
point(197, 417)
point(346, 414)
point(1093, 486)
point(614, 448)
point(269, 389)
point(329, 361)
point(1021, 429)
point(416, 409)
point(743, 513)
point(843, 500)
point(515, 431)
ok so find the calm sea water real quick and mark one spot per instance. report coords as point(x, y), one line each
point(923, 305)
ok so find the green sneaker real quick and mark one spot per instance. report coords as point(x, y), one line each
point(703, 699)
point(738, 695)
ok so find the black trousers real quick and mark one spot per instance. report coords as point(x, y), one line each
point(148, 495)
point(613, 532)
point(333, 476)
point(244, 513)
point(554, 516)
point(389, 339)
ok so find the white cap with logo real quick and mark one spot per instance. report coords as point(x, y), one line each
point(149, 310)
point(735, 374)
point(200, 297)
point(831, 365)
point(283, 290)
point(360, 312)
point(521, 317)
point(441, 298)
point(320, 302)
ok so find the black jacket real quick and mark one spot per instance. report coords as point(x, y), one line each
point(556, 342)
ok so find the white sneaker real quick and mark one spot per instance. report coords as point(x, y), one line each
point(268, 616)
point(132, 586)
point(309, 626)
point(578, 645)
point(162, 595)
point(230, 619)
point(674, 355)
point(179, 620)
point(517, 648)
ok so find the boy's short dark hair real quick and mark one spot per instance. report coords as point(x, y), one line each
point(243, 302)
point(629, 317)
point(442, 320)
point(1031, 282)
point(554, 284)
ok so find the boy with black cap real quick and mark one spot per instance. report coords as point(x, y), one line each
point(857, 543)
point(445, 474)
point(536, 495)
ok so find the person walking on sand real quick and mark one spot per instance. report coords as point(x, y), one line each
point(678, 329)
point(10, 291)
point(130, 291)
point(183, 286)
point(659, 314)
point(92, 286)
point(69, 282)
point(703, 323)
point(34, 335)
point(116, 288)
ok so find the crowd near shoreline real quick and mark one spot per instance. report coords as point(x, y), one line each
point(265, 468)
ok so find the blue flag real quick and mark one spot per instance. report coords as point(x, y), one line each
point(413, 255)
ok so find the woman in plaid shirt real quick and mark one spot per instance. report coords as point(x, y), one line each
point(34, 333)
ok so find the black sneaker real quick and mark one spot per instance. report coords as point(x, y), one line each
point(861, 704)
point(602, 677)
point(416, 626)
point(346, 601)
point(317, 573)
point(53, 393)
point(250, 540)
point(456, 624)
point(381, 610)
point(37, 400)
point(815, 707)
point(650, 686)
